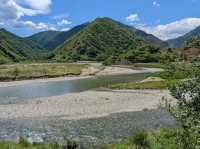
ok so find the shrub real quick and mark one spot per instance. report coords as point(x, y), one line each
point(72, 144)
point(23, 142)
point(140, 139)
point(188, 111)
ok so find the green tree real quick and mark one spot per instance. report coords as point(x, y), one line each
point(188, 112)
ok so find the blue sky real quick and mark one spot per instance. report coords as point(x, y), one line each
point(164, 18)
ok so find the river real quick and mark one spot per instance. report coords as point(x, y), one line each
point(32, 91)
point(89, 133)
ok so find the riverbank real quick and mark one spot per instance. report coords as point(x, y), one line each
point(119, 70)
point(89, 72)
point(89, 104)
point(39, 70)
point(41, 80)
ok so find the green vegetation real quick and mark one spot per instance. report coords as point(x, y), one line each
point(193, 43)
point(179, 71)
point(7, 54)
point(23, 144)
point(103, 40)
point(29, 71)
point(180, 41)
point(187, 112)
point(151, 65)
point(151, 39)
point(166, 138)
point(25, 47)
point(99, 40)
point(172, 74)
point(52, 39)
point(107, 40)
point(187, 91)
point(143, 85)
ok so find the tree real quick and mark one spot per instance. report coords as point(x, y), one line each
point(188, 112)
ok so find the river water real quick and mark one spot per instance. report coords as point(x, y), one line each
point(36, 90)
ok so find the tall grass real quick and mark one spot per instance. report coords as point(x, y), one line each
point(165, 138)
point(23, 144)
point(39, 70)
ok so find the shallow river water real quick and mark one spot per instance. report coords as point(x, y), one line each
point(47, 89)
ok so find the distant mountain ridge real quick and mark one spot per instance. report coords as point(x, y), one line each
point(52, 39)
point(25, 47)
point(7, 54)
point(181, 42)
point(151, 39)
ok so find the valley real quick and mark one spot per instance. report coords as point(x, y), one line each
point(102, 84)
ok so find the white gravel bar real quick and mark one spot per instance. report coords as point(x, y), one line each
point(89, 104)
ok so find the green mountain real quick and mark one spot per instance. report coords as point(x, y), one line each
point(52, 39)
point(193, 43)
point(7, 54)
point(181, 42)
point(104, 39)
point(25, 47)
point(191, 50)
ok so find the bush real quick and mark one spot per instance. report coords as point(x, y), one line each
point(188, 111)
point(23, 142)
point(72, 144)
point(179, 71)
point(140, 139)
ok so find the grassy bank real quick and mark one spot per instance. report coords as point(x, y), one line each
point(142, 85)
point(23, 144)
point(38, 70)
point(165, 84)
point(171, 75)
point(167, 138)
point(151, 65)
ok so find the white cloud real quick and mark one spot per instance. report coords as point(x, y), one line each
point(1, 23)
point(30, 24)
point(53, 29)
point(37, 26)
point(174, 29)
point(37, 4)
point(156, 4)
point(132, 18)
point(63, 22)
point(12, 11)
point(61, 16)
point(65, 29)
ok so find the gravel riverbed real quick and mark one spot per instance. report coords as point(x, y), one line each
point(89, 133)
